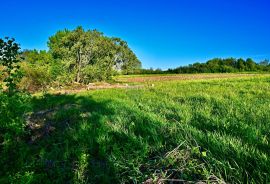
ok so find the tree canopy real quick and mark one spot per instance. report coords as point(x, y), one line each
point(89, 55)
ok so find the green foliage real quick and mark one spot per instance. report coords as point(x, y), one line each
point(89, 55)
point(12, 130)
point(40, 70)
point(9, 51)
point(12, 109)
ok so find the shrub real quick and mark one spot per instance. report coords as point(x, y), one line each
point(35, 77)
point(9, 59)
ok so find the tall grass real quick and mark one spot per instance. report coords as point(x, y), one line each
point(206, 130)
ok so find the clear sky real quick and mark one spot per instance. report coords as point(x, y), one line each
point(163, 33)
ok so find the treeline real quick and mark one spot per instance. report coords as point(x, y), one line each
point(228, 65)
point(216, 65)
point(76, 56)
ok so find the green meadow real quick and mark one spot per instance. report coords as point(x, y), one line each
point(207, 130)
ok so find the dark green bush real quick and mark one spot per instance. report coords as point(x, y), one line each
point(12, 111)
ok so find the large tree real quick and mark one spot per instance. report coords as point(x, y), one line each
point(90, 55)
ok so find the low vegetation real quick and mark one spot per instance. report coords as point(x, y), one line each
point(202, 130)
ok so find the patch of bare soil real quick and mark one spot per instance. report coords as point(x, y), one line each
point(183, 77)
point(39, 124)
point(94, 86)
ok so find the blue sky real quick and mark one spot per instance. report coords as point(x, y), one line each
point(163, 33)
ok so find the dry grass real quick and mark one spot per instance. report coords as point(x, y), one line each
point(151, 78)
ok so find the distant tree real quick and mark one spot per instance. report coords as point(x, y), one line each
point(241, 65)
point(264, 62)
point(230, 62)
point(250, 64)
point(214, 65)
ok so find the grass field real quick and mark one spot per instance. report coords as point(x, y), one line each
point(213, 129)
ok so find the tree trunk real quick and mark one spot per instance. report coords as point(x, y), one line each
point(79, 63)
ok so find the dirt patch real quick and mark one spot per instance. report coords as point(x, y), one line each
point(182, 77)
point(39, 124)
point(94, 86)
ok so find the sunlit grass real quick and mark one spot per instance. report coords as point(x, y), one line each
point(183, 130)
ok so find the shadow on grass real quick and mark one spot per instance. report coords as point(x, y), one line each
point(71, 151)
point(75, 140)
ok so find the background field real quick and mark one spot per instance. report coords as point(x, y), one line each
point(172, 77)
point(213, 128)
